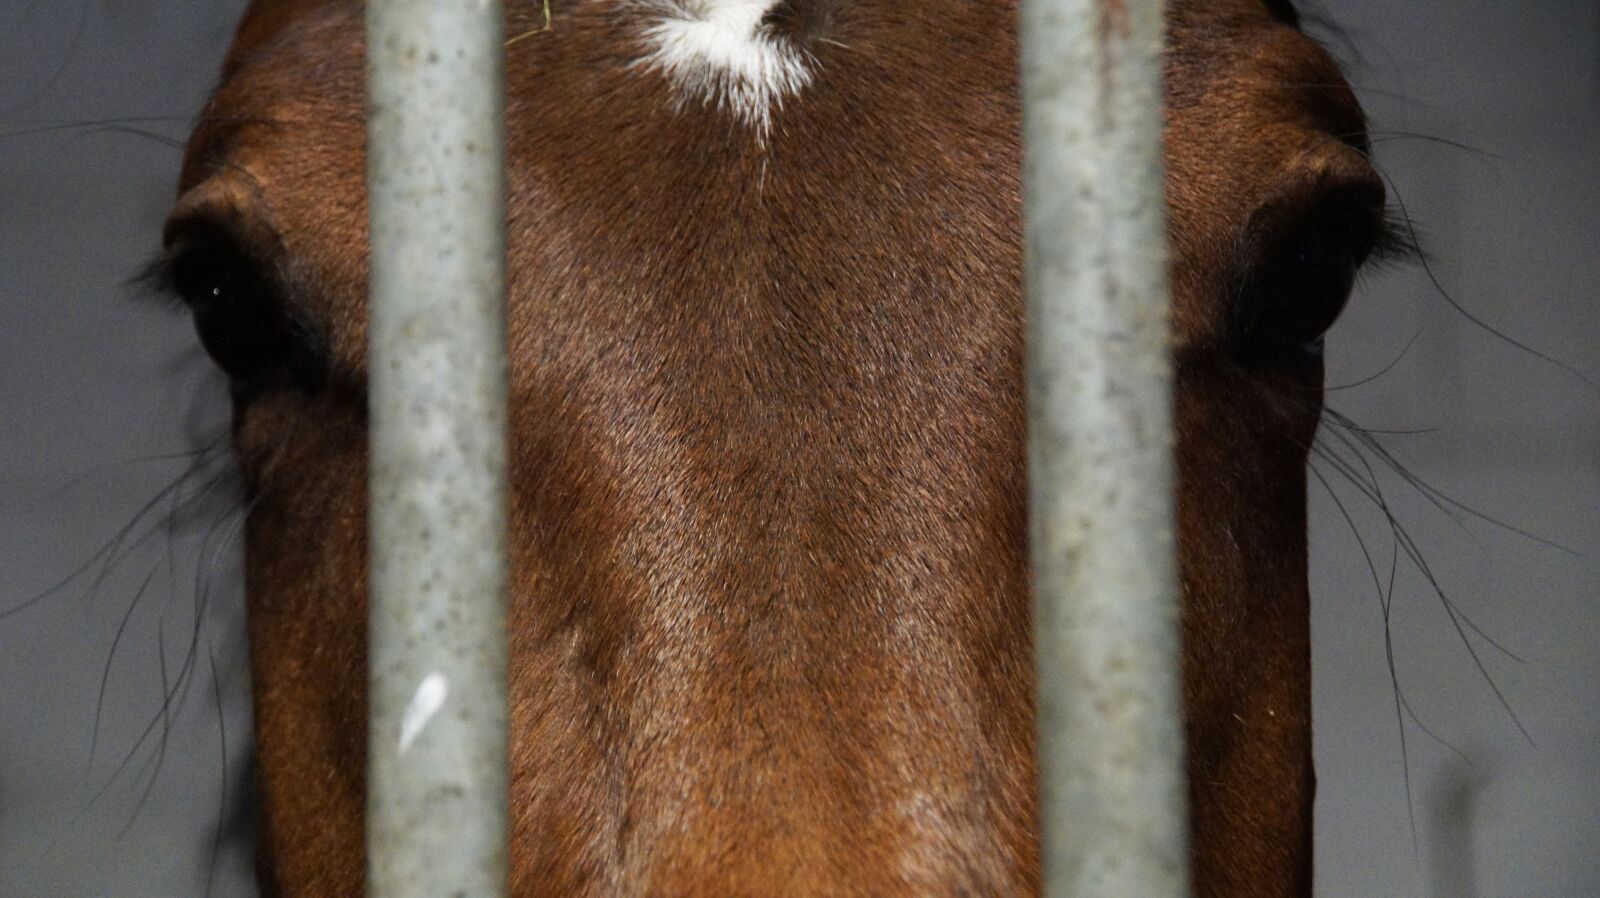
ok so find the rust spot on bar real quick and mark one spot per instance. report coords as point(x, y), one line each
point(1115, 18)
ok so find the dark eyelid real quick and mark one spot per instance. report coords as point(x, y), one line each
point(1298, 257)
point(202, 251)
point(203, 240)
point(1351, 218)
point(1375, 225)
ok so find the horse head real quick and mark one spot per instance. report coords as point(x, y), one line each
point(770, 600)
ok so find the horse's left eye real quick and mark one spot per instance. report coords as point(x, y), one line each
point(236, 326)
point(240, 321)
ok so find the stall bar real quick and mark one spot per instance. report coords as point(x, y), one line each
point(437, 784)
point(1112, 796)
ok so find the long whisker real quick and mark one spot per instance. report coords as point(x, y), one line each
point(1432, 493)
point(1373, 491)
point(188, 455)
point(105, 674)
point(1458, 619)
point(170, 702)
point(1399, 699)
point(222, 738)
point(1377, 137)
point(166, 729)
point(1433, 278)
point(61, 65)
point(1385, 598)
point(1382, 371)
point(37, 129)
point(112, 550)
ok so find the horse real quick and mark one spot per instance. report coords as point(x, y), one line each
point(770, 605)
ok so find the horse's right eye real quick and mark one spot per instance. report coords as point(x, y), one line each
point(240, 319)
point(1301, 262)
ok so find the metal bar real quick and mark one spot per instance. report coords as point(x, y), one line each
point(1112, 800)
point(437, 768)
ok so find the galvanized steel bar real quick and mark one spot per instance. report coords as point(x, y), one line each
point(1100, 451)
point(437, 775)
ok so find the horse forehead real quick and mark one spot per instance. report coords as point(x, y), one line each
point(734, 36)
point(297, 63)
point(748, 57)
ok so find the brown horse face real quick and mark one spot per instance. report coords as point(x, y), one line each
point(770, 591)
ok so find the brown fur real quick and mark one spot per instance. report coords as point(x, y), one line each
point(771, 624)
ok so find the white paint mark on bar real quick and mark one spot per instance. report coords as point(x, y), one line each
point(426, 702)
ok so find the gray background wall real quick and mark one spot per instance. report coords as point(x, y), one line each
point(93, 95)
point(1513, 230)
point(99, 391)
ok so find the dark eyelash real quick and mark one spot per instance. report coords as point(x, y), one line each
point(157, 280)
point(1395, 241)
